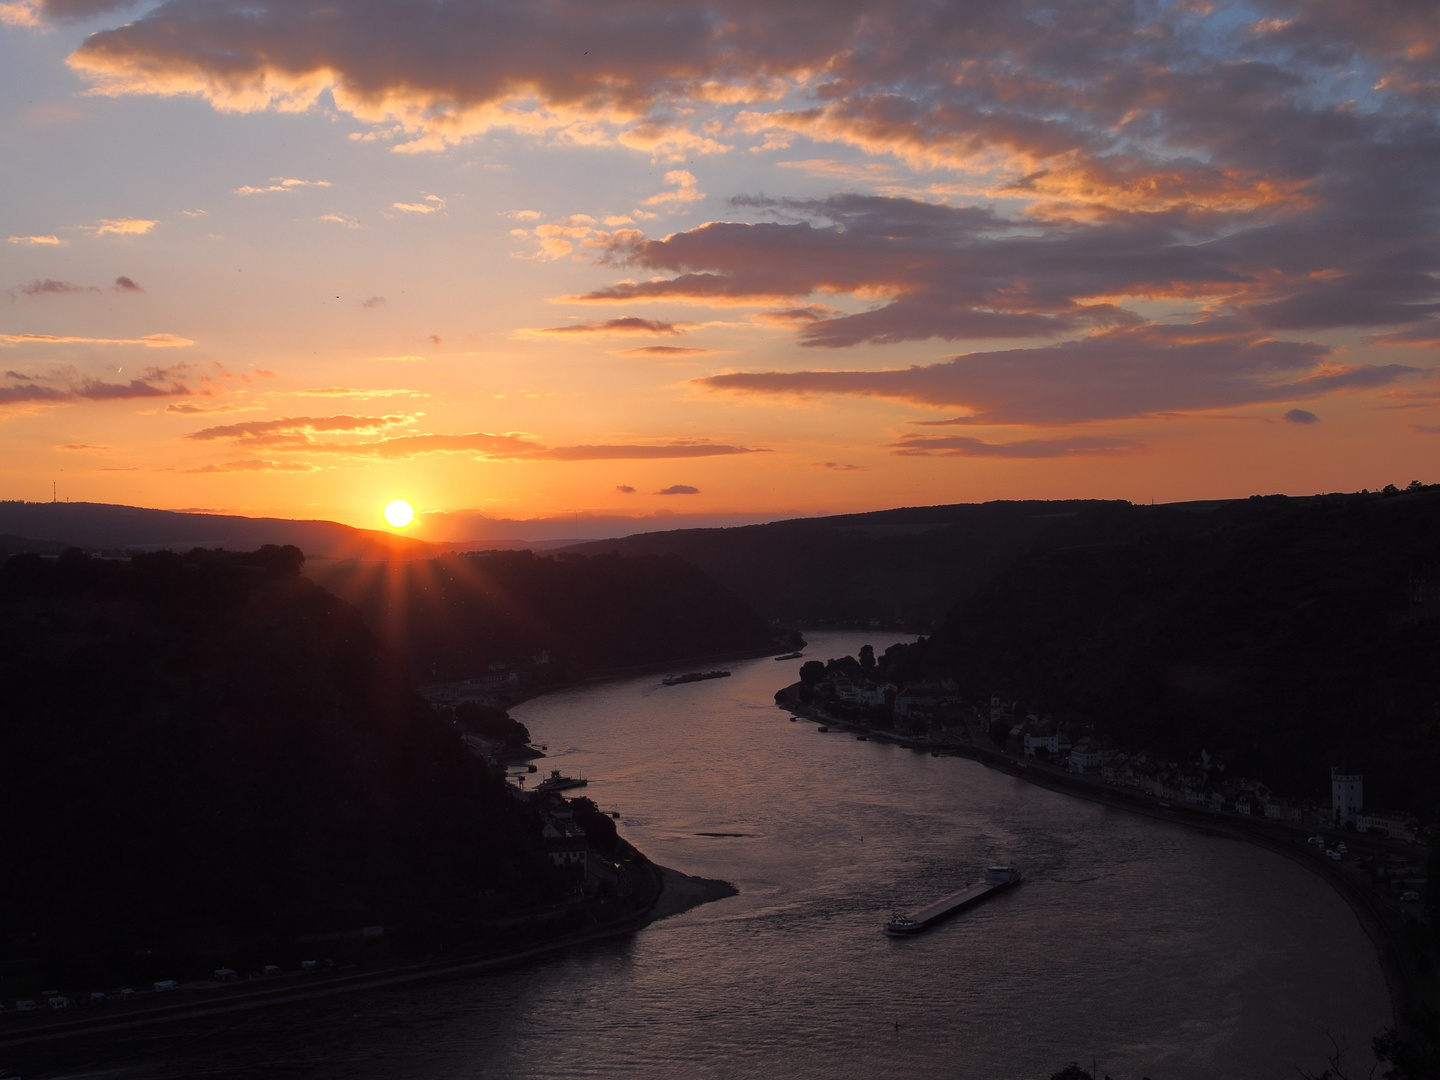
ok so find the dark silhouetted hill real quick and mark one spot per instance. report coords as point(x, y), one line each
point(1302, 633)
point(106, 527)
point(199, 751)
point(455, 615)
point(902, 567)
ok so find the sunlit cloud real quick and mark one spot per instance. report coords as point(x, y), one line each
point(644, 452)
point(45, 241)
point(351, 391)
point(122, 226)
point(431, 204)
point(666, 350)
point(341, 219)
point(298, 429)
point(150, 341)
point(280, 183)
point(685, 189)
point(257, 465)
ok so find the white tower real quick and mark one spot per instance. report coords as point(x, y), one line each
point(1347, 795)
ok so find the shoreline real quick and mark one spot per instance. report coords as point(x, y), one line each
point(675, 894)
point(1405, 996)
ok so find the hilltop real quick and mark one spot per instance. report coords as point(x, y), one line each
point(45, 527)
point(201, 752)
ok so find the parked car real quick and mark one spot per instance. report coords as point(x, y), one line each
point(165, 984)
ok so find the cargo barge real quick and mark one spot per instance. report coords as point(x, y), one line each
point(997, 879)
point(694, 676)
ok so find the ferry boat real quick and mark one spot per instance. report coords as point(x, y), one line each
point(997, 879)
point(790, 656)
point(556, 782)
point(694, 676)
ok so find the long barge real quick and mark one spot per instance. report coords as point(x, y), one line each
point(997, 879)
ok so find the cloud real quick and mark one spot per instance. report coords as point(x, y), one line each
point(280, 183)
point(643, 452)
point(36, 240)
point(122, 226)
point(66, 386)
point(627, 325)
point(685, 189)
point(625, 489)
point(298, 429)
point(401, 359)
point(351, 391)
point(1301, 416)
point(373, 302)
point(835, 466)
point(81, 446)
point(430, 206)
point(150, 341)
point(667, 350)
point(1146, 371)
point(340, 219)
point(124, 284)
point(962, 446)
point(679, 489)
point(257, 465)
point(49, 287)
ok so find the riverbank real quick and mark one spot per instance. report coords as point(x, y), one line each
point(675, 893)
point(1409, 990)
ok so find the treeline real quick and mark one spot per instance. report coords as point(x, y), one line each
point(207, 750)
point(453, 616)
point(1302, 633)
point(904, 567)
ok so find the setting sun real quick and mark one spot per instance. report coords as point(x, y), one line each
point(399, 513)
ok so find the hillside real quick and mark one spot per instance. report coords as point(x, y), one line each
point(454, 616)
point(1302, 633)
point(904, 567)
point(106, 527)
point(205, 751)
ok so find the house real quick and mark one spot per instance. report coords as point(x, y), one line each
point(1086, 757)
point(564, 839)
point(1049, 743)
point(1397, 826)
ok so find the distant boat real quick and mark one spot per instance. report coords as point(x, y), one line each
point(556, 782)
point(823, 728)
point(862, 738)
point(694, 676)
point(997, 879)
point(790, 656)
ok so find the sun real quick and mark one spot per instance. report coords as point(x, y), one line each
point(399, 513)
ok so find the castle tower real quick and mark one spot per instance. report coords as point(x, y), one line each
point(1347, 795)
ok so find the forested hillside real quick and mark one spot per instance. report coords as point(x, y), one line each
point(900, 568)
point(202, 751)
point(455, 615)
point(1301, 633)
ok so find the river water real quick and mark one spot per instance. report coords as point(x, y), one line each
point(1151, 949)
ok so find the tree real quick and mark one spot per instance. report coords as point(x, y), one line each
point(1072, 1072)
point(867, 657)
point(812, 672)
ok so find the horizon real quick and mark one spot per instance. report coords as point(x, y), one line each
point(713, 259)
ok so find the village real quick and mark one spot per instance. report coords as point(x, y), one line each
point(1386, 848)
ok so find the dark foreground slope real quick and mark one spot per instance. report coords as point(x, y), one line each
point(202, 752)
point(1302, 633)
point(455, 615)
point(108, 527)
point(902, 567)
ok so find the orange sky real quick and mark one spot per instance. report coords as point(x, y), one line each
point(727, 258)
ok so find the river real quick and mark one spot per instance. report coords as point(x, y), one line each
point(1149, 948)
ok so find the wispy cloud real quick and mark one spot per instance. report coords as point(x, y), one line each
point(352, 391)
point(47, 241)
point(685, 189)
point(280, 183)
point(257, 465)
point(679, 489)
point(961, 446)
point(150, 341)
point(50, 287)
point(67, 386)
point(667, 350)
point(627, 325)
point(431, 204)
